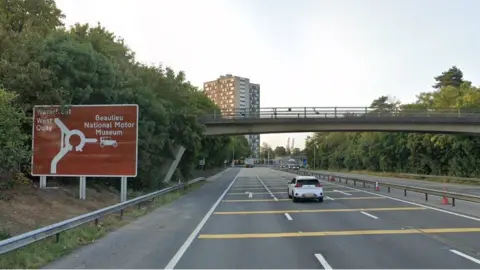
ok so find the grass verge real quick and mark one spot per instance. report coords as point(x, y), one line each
point(437, 179)
point(47, 250)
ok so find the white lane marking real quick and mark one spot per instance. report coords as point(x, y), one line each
point(465, 256)
point(416, 204)
point(344, 193)
point(176, 258)
point(268, 190)
point(288, 216)
point(322, 261)
point(330, 198)
point(250, 195)
point(370, 215)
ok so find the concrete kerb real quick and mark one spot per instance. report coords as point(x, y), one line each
point(216, 176)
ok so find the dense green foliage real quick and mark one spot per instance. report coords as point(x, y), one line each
point(42, 62)
point(239, 148)
point(437, 154)
point(280, 151)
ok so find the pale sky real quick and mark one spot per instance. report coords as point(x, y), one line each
point(314, 53)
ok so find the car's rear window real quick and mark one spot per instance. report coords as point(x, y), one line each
point(308, 182)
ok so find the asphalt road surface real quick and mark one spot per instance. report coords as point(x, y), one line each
point(246, 221)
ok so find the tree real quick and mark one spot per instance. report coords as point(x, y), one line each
point(43, 63)
point(266, 151)
point(34, 15)
point(280, 151)
point(296, 151)
point(14, 152)
point(239, 148)
point(438, 154)
point(452, 77)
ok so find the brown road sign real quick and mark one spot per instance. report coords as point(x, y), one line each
point(85, 140)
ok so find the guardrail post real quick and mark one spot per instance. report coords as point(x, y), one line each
point(453, 202)
point(364, 184)
point(405, 193)
point(354, 182)
point(335, 112)
point(388, 189)
point(426, 196)
point(305, 111)
point(57, 237)
point(214, 113)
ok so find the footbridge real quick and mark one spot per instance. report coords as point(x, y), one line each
point(341, 119)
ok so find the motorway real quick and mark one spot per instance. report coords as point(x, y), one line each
point(244, 220)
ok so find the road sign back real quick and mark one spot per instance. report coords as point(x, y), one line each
point(85, 140)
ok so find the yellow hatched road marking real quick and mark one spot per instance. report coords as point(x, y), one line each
point(263, 193)
point(258, 186)
point(238, 188)
point(262, 188)
point(254, 193)
point(338, 233)
point(321, 210)
point(283, 200)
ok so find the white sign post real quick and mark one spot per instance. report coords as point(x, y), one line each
point(123, 189)
point(83, 187)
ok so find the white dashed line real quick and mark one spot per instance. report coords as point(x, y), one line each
point(344, 193)
point(322, 261)
point(329, 198)
point(370, 215)
point(465, 256)
point(268, 190)
point(288, 216)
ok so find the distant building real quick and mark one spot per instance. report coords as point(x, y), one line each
point(232, 92)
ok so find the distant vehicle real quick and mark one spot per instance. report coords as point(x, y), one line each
point(293, 167)
point(107, 141)
point(249, 162)
point(305, 187)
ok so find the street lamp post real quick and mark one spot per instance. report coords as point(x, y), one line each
point(268, 156)
point(314, 157)
point(233, 154)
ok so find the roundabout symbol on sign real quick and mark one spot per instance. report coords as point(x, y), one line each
point(66, 146)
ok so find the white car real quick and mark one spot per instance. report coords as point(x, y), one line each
point(305, 187)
